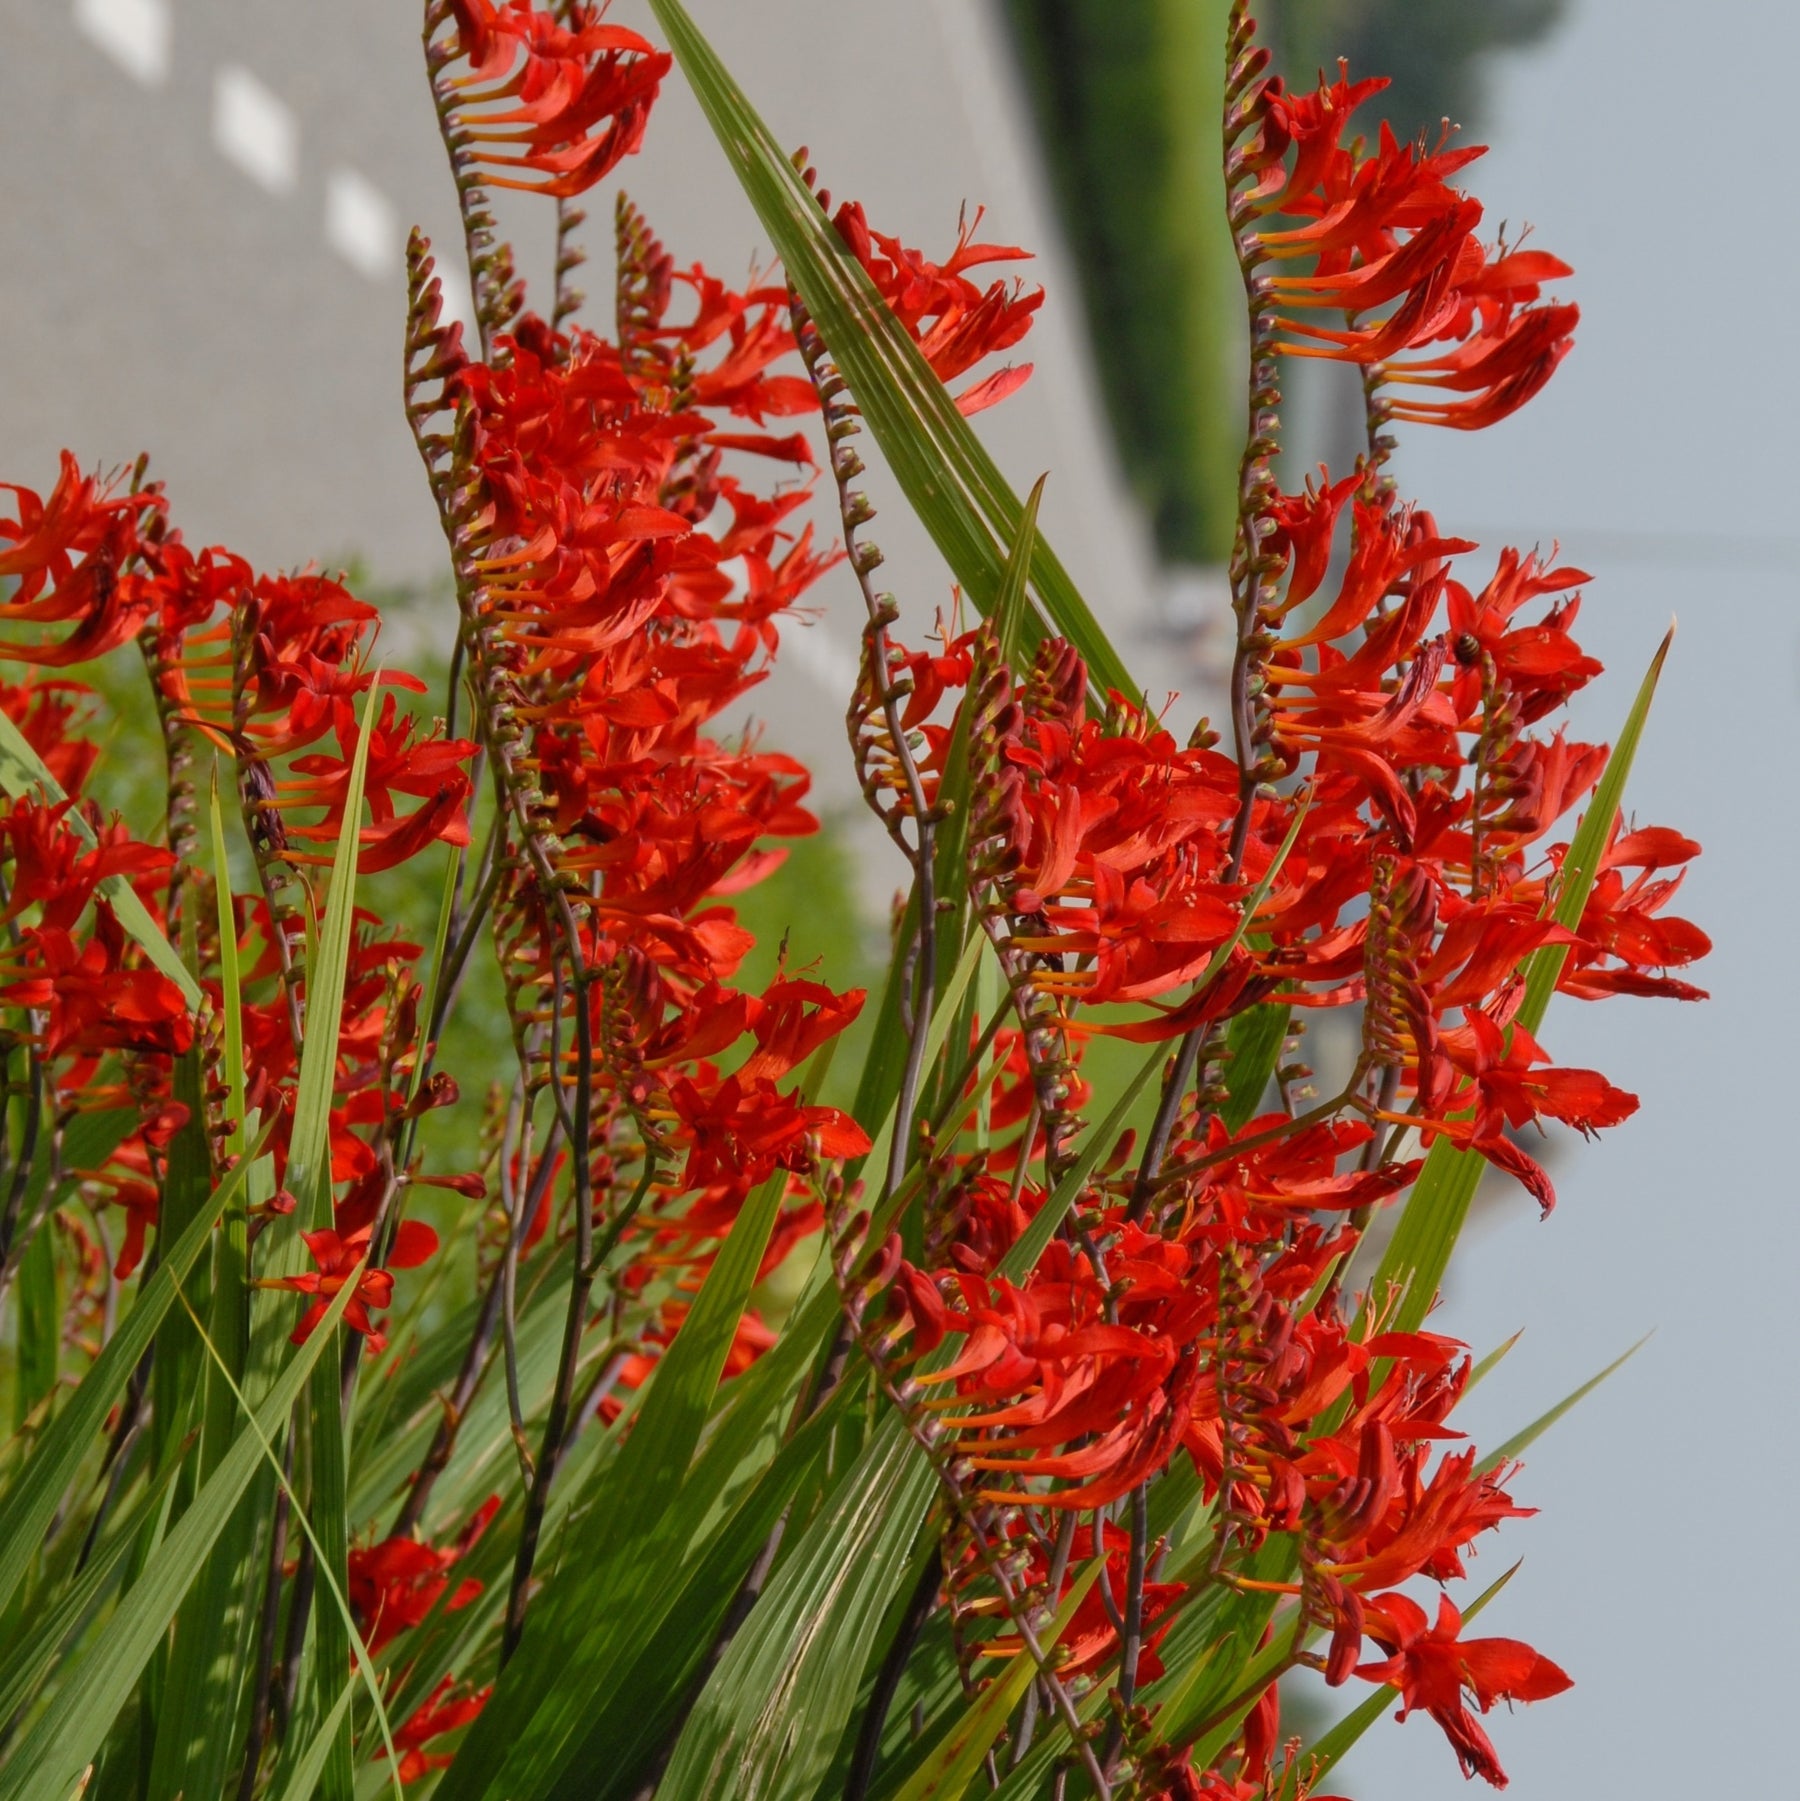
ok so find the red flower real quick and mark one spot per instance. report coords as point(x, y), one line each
point(568, 79)
point(1384, 229)
point(45, 713)
point(394, 1584)
point(743, 1130)
point(54, 869)
point(1434, 1669)
point(430, 769)
point(443, 1713)
point(956, 322)
point(792, 1020)
point(1621, 921)
point(97, 1001)
point(339, 1259)
point(1509, 1091)
point(80, 517)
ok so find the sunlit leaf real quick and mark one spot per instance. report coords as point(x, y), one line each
point(30, 1499)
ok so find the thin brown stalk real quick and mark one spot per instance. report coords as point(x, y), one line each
point(854, 510)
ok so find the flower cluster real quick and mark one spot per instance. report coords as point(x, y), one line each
point(559, 96)
point(1178, 1439)
point(1378, 841)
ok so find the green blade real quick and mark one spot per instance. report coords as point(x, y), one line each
point(309, 1176)
point(39, 1647)
point(200, 1683)
point(30, 1499)
point(768, 1721)
point(542, 1704)
point(1581, 864)
point(39, 1316)
point(955, 1762)
point(1010, 607)
point(47, 1761)
point(949, 478)
point(364, 1667)
point(937, 1034)
point(1486, 1366)
point(655, 1663)
point(210, 1651)
point(955, 891)
point(1254, 1040)
point(1022, 1258)
point(303, 1781)
point(1522, 1440)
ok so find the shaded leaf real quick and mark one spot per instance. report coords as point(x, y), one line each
point(48, 1759)
point(30, 1499)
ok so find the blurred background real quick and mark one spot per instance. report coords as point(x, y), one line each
point(203, 213)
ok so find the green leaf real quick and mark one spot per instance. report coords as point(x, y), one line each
point(954, 891)
point(39, 1645)
point(1253, 1041)
point(1581, 863)
point(541, 1703)
point(309, 1153)
point(1009, 608)
point(956, 1760)
point(620, 1636)
point(230, 976)
point(1492, 1360)
point(948, 477)
point(48, 1759)
point(768, 1721)
point(22, 772)
point(1522, 1440)
point(211, 1631)
point(303, 1780)
point(1419, 1252)
point(211, 1651)
point(309, 1177)
point(186, 1186)
point(440, 947)
point(936, 1035)
point(1022, 1258)
point(39, 1317)
point(30, 1499)
point(651, 1675)
point(879, 1083)
point(364, 1663)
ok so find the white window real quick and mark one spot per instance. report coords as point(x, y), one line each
point(255, 130)
point(360, 224)
point(134, 33)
